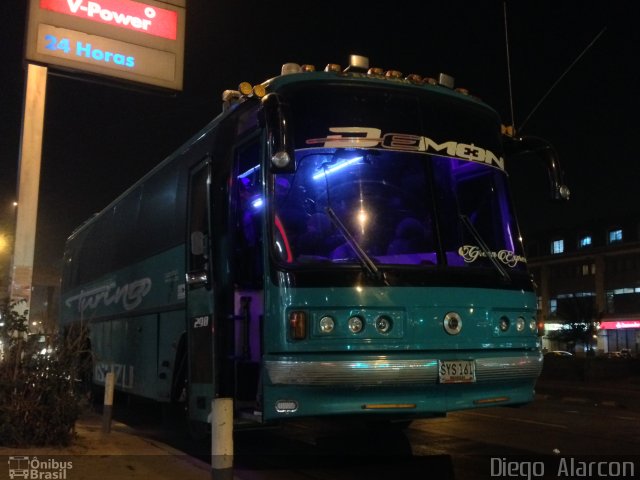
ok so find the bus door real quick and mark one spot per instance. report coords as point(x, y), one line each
point(200, 384)
point(247, 213)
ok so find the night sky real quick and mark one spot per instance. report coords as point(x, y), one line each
point(100, 139)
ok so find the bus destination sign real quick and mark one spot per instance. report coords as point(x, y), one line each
point(140, 41)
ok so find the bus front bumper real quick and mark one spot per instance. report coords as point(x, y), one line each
point(393, 385)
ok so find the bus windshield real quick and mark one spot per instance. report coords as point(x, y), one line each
point(433, 195)
point(393, 204)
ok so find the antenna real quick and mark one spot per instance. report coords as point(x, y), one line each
point(506, 41)
point(563, 75)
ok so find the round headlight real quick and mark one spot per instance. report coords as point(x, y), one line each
point(452, 323)
point(504, 324)
point(327, 324)
point(355, 324)
point(533, 325)
point(520, 324)
point(383, 324)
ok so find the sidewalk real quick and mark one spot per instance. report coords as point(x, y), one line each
point(98, 456)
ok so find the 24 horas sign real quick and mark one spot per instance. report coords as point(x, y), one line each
point(141, 41)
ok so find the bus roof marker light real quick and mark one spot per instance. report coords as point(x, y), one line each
point(357, 63)
point(446, 80)
point(333, 67)
point(229, 98)
point(289, 68)
point(245, 88)
point(259, 90)
point(452, 323)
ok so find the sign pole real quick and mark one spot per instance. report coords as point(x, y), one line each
point(28, 186)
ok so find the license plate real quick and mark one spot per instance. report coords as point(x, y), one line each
point(457, 371)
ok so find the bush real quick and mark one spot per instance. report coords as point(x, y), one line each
point(40, 398)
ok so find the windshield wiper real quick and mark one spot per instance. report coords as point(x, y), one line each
point(484, 247)
point(368, 264)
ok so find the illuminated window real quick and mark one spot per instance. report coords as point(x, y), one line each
point(585, 241)
point(553, 305)
point(557, 246)
point(615, 235)
point(588, 269)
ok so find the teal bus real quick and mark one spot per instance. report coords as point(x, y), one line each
point(334, 243)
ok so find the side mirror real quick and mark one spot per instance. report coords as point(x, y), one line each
point(543, 150)
point(279, 134)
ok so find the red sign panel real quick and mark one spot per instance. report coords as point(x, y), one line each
point(136, 16)
point(615, 325)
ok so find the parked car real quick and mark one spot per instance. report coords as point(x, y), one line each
point(558, 353)
point(624, 353)
point(39, 344)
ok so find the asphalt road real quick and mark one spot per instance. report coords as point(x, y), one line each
point(466, 445)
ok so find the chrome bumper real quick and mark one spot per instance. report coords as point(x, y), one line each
point(385, 372)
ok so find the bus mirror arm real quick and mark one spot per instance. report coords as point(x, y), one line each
point(543, 150)
point(276, 116)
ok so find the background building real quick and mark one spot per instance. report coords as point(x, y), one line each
point(588, 281)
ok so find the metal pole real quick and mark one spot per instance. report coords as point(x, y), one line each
point(28, 186)
point(222, 439)
point(107, 412)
